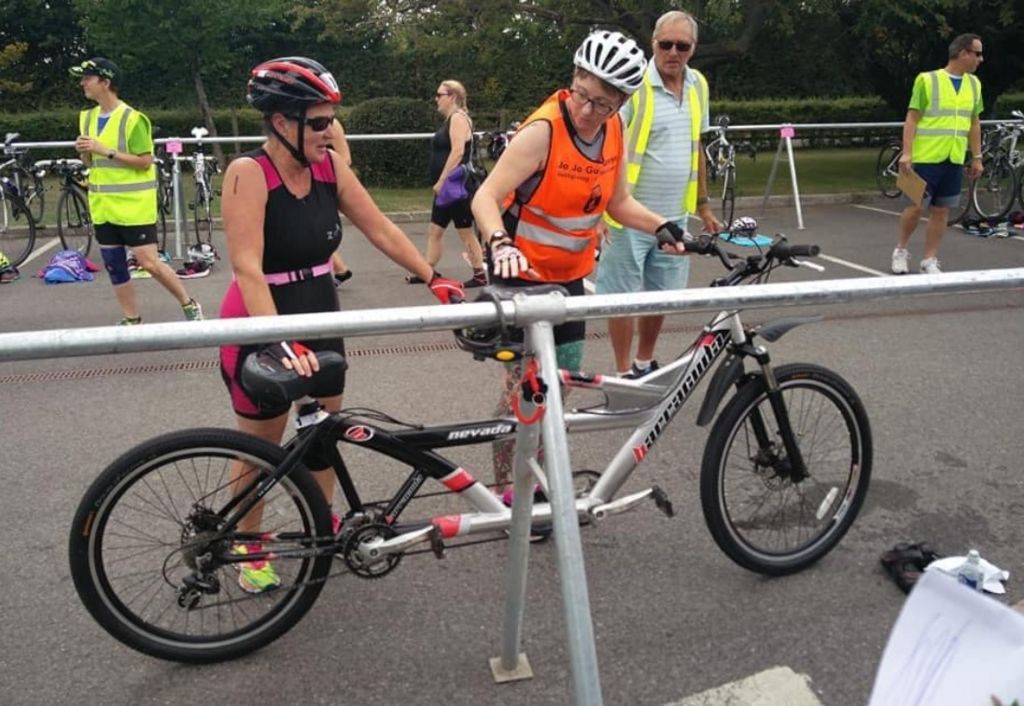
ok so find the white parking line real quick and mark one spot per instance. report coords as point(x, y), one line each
point(853, 265)
point(778, 686)
point(42, 249)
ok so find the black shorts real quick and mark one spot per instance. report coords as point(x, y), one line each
point(457, 213)
point(110, 234)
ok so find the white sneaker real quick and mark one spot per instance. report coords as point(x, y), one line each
point(929, 266)
point(900, 261)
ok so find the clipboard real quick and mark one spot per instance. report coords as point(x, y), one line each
point(912, 185)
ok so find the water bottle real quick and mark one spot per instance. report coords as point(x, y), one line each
point(970, 573)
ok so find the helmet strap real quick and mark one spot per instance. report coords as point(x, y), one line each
point(296, 151)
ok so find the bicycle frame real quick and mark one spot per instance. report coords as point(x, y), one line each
point(647, 405)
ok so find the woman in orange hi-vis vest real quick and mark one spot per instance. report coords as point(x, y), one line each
point(541, 205)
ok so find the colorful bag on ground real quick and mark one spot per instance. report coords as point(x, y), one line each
point(67, 266)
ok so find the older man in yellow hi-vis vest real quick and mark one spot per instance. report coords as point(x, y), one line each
point(942, 119)
point(117, 141)
point(665, 171)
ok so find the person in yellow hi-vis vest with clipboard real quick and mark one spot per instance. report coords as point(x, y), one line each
point(117, 142)
point(942, 120)
point(665, 171)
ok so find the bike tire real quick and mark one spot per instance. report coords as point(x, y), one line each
point(74, 223)
point(203, 216)
point(820, 404)
point(887, 169)
point(993, 193)
point(17, 228)
point(963, 207)
point(728, 196)
point(134, 529)
point(35, 197)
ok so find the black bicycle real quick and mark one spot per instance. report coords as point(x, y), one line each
point(204, 167)
point(25, 177)
point(153, 545)
point(74, 222)
point(720, 161)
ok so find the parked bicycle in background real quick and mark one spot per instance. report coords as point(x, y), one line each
point(25, 177)
point(1000, 185)
point(498, 140)
point(204, 167)
point(74, 223)
point(720, 157)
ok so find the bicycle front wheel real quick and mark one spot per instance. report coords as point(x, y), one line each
point(761, 515)
point(728, 196)
point(204, 216)
point(35, 198)
point(888, 168)
point(994, 191)
point(154, 565)
point(74, 224)
point(17, 228)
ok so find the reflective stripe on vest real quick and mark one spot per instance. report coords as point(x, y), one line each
point(118, 193)
point(638, 134)
point(556, 228)
point(942, 132)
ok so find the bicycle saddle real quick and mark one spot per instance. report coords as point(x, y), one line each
point(265, 379)
point(496, 292)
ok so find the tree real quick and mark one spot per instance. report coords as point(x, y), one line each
point(180, 43)
point(47, 36)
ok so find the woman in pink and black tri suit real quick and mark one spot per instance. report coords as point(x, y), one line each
point(280, 209)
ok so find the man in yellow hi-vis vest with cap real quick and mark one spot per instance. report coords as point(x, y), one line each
point(665, 172)
point(117, 142)
point(942, 121)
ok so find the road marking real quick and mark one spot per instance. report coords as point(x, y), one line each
point(41, 249)
point(778, 686)
point(853, 265)
point(882, 210)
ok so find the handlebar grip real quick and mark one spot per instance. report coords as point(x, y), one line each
point(804, 250)
point(699, 244)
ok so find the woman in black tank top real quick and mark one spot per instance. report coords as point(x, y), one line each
point(280, 209)
point(450, 147)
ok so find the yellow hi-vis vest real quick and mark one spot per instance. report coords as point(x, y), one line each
point(946, 122)
point(118, 194)
point(638, 132)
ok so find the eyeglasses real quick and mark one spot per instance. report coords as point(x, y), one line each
point(601, 107)
point(976, 53)
point(681, 47)
point(441, 95)
point(317, 124)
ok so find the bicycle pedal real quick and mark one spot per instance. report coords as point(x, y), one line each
point(662, 502)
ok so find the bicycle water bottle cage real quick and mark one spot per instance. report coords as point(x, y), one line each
point(266, 380)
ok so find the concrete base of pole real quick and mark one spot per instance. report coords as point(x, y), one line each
point(521, 671)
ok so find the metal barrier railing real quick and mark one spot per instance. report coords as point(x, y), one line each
point(536, 314)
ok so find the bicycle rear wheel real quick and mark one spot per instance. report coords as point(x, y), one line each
point(74, 224)
point(887, 169)
point(728, 195)
point(153, 564)
point(35, 197)
point(204, 215)
point(758, 514)
point(993, 193)
point(17, 228)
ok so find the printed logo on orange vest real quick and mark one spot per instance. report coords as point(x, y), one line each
point(594, 200)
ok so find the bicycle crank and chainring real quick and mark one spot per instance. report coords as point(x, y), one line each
point(357, 551)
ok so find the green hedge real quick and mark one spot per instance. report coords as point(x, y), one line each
point(396, 163)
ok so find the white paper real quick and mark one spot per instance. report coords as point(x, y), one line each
point(951, 646)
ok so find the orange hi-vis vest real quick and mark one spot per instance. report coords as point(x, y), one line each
point(556, 228)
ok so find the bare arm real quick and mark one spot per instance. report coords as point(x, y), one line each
point(974, 138)
point(523, 157)
point(355, 202)
point(244, 201)
point(909, 131)
point(704, 210)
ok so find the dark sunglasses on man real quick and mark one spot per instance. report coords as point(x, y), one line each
point(681, 47)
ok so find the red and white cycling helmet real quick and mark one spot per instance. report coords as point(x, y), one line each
point(291, 84)
point(614, 58)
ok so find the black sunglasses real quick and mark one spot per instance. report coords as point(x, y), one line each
point(681, 47)
point(317, 124)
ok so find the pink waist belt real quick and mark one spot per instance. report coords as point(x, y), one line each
point(298, 275)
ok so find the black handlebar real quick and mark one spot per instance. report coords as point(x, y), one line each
point(783, 250)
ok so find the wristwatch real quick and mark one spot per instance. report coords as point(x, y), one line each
point(111, 153)
point(498, 235)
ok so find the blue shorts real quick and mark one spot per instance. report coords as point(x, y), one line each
point(631, 262)
point(944, 180)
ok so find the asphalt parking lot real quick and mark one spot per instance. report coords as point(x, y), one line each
point(672, 615)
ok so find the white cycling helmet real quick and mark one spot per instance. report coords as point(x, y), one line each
point(614, 58)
